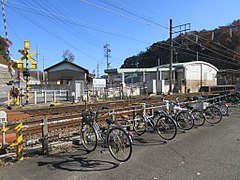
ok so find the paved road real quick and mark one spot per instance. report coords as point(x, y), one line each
point(208, 152)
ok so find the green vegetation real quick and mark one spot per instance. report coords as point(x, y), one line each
point(4, 55)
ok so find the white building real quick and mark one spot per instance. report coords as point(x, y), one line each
point(189, 76)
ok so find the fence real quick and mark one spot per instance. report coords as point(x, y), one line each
point(41, 96)
point(16, 131)
point(45, 123)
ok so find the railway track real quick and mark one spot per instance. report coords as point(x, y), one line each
point(64, 121)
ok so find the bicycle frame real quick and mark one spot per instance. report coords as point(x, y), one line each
point(176, 109)
point(149, 119)
point(98, 130)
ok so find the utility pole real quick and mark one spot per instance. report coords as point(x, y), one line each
point(157, 79)
point(97, 70)
point(37, 59)
point(107, 51)
point(180, 29)
point(171, 57)
point(43, 72)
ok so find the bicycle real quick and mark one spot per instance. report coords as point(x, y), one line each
point(182, 116)
point(115, 138)
point(164, 125)
point(198, 115)
point(212, 112)
point(222, 105)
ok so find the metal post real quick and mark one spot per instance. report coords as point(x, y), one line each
point(3, 135)
point(35, 97)
point(67, 95)
point(181, 28)
point(45, 96)
point(8, 99)
point(201, 76)
point(44, 136)
point(19, 141)
point(54, 96)
point(157, 82)
point(113, 114)
point(144, 108)
point(43, 72)
point(171, 58)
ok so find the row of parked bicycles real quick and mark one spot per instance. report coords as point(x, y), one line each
point(166, 119)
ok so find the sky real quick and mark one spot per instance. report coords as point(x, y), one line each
point(84, 26)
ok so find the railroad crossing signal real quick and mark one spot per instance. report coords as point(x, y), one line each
point(26, 45)
point(26, 56)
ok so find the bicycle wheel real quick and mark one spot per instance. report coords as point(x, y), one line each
point(213, 114)
point(166, 127)
point(119, 144)
point(89, 137)
point(199, 118)
point(224, 109)
point(139, 124)
point(184, 120)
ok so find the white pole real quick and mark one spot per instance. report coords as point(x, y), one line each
point(35, 97)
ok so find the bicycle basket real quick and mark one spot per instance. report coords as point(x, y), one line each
point(87, 116)
point(199, 105)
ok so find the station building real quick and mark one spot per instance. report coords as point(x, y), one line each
point(69, 76)
point(186, 77)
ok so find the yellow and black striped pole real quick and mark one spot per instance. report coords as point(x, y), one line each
point(27, 79)
point(26, 48)
point(26, 73)
point(19, 141)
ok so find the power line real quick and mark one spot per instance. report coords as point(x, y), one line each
point(203, 56)
point(219, 44)
point(74, 22)
point(55, 36)
point(211, 50)
point(134, 14)
point(113, 12)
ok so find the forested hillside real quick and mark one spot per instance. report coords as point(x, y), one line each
point(220, 47)
point(4, 55)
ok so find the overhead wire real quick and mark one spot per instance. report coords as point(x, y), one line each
point(113, 12)
point(213, 51)
point(219, 44)
point(58, 22)
point(143, 18)
point(54, 35)
point(134, 14)
point(202, 55)
point(71, 20)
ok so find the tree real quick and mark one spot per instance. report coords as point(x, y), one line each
point(68, 56)
point(4, 54)
point(220, 47)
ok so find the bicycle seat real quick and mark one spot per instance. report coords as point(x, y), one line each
point(110, 121)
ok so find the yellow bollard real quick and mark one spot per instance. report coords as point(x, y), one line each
point(8, 99)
